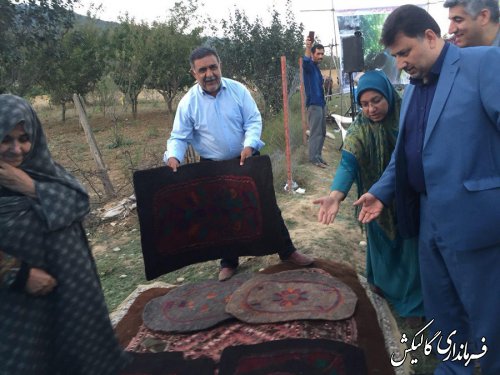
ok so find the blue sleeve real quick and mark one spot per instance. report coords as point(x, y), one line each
point(346, 173)
point(307, 63)
point(489, 83)
point(252, 122)
point(182, 132)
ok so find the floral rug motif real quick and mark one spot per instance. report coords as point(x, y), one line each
point(193, 306)
point(292, 295)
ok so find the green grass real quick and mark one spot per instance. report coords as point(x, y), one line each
point(291, 224)
point(119, 141)
point(121, 271)
point(153, 133)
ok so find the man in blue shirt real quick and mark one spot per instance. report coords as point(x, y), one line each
point(220, 119)
point(315, 101)
point(444, 175)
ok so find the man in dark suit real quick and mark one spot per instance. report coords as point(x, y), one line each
point(445, 177)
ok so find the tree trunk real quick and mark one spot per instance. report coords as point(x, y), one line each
point(134, 106)
point(169, 99)
point(63, 111)
point(169, 105)
point(94, 149)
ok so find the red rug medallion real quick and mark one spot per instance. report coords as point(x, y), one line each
point(206, 211)
point(292, 295)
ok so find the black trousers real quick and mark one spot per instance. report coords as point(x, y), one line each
point(283, 254)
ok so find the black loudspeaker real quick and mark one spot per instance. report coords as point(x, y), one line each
point(352, 52)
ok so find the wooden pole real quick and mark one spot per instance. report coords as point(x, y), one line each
point(305, 125)
point(286, 124)
point(94, 149)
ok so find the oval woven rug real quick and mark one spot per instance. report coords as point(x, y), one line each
point(193, 306)
point(292, 295)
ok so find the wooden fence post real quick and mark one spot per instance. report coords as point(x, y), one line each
point(305, 125)
point(286, 124)
point(94, 149)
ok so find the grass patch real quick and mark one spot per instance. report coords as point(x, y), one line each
point(153, 133)
point(119, 141)
point(291, 224)
point(121, 271)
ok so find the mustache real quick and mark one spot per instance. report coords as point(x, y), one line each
point(209, 79)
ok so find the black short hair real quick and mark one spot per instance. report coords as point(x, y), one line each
point(410, 20)
point(317, 46)
point(200, 53)
point(473, 7)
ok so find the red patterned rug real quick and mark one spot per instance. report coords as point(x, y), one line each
point(210, 343)
point(206, 211)
point(365, 333)
point(292, 295)
point(193, 306)
point(294, 357)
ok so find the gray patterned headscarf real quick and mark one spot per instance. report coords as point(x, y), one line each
point(38, 163)
point(24, 220)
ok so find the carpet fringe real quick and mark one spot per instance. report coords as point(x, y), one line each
point(389, 327)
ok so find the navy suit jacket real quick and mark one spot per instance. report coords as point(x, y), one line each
point(461, 154)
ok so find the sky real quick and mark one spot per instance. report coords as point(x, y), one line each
point(316, 15)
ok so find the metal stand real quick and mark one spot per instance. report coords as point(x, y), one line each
point(353, 101)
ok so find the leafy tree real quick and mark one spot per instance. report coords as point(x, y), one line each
point(76, 66)
point(129, 63)
point(170, 52)
point(26, 29)
point(251, 53)
point(371, 27)
point(105, 91)
point(170, 45)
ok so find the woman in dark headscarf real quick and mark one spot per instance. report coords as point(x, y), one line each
point(391, 262)
point(53, 318)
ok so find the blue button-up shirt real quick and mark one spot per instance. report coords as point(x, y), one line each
point(218, 127)
point(416, 122)
point(313, 83)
